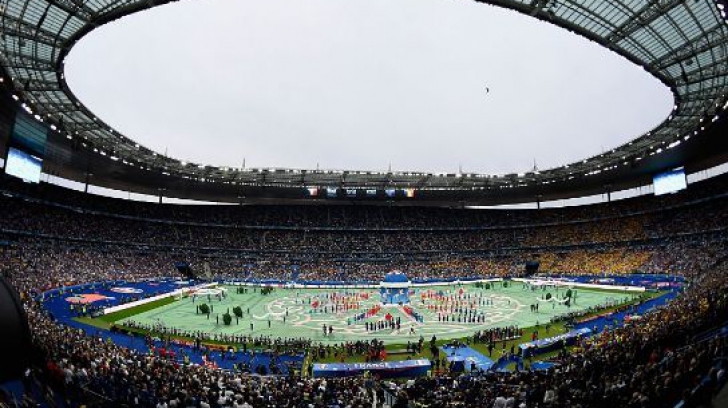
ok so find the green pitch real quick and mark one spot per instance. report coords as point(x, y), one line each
point(297, 313)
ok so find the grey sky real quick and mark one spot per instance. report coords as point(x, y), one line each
point(358, 84)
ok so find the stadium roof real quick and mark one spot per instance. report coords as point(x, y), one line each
point(684, 44)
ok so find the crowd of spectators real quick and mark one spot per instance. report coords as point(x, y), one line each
point(647, 363)
point(266, 230)
point(40, 266)
point(361, 217)
point(122, 376)
point(65, 263)
point(651, 362)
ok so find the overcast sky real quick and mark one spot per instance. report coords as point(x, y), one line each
point(428, 85)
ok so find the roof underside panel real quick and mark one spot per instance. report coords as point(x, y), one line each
point(682, 43)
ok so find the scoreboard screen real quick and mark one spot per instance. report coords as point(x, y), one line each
point(29, 134)
point(670, 182)
point(23, 165)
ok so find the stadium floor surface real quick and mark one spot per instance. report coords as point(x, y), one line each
point(290, 313)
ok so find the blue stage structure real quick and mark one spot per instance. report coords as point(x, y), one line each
point(394, 289)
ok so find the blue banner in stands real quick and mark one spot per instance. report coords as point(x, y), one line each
point(387, 369)
point(553, 343)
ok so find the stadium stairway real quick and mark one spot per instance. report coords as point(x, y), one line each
point(701, 394)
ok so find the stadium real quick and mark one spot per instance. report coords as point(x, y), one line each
point(131, 277)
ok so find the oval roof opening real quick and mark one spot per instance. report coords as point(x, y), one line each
point(426, 85)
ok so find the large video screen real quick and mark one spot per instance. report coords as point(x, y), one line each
point(23, 165)
point(29, 134)
point(670, 182)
